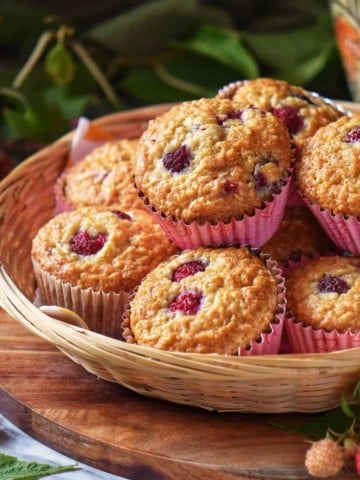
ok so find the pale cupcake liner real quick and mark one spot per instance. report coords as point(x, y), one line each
point(269, 342)
point(102, 311)
point(254, 230)
point(343, 231)
point(294, 198)
point(304, 258)
point(305, 338)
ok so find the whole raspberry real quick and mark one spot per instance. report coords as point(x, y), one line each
point(187, 302)
point(353, 135)
point(83, 244)
point(324, 458)
point(291, 117)
point(332, 284)
point(177, 160)
point(187, 269)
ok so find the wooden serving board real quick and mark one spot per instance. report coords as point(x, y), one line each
point(106, 426)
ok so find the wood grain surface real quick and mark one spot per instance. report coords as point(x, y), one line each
point(106, 426)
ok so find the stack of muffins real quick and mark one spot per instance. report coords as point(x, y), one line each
point(199, 244)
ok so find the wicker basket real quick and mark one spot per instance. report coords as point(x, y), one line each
point(262, 384)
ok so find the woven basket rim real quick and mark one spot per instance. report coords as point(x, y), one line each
point(90, 346)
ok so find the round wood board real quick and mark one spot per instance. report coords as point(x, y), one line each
point(111, 428)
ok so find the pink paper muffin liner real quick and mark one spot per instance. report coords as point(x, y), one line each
point(269, 342)
point(307, 339)
point(343, 231)
point(254, 230)
point(102, 311)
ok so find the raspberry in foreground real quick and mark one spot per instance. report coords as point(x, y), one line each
point(324, 458)
point(187, 269)
point(83, 244)
point(187, 302)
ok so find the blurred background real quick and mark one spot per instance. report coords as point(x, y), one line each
point(61, 59)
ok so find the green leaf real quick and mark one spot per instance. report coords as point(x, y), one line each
point(144, 84)
point(42, 121)
point(13, 469)
point(335, 420)
point(305, 71)
point(356, 392)
point(159, 22)
point(225, 46)
point(71, 106)
point(59, 64)
point(283, 50)
point(346, 408)
point(10, 97)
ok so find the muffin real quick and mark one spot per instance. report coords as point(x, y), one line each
point(327, 174)
point(103, 177)
point(210, 174)
point(303, 112)
point(90, 259)
point(222, 300)
point(299, 237)
point(324, 305)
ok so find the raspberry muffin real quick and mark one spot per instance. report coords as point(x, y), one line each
point(210, 173)
point(303, 112)
point(323, 300)
point(209, 300)
point(299, 236)
point(103, 177)
point(89, 260)
point(327, 174)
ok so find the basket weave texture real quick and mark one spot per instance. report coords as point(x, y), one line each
point(251, 384)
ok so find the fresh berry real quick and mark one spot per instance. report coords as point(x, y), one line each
point(177, 160)
point(291, 117)
point(122, 215)
point(83, 244)
point(324, 458)
point(332, 284)
point(187, 269)
point(353, 135)
point(234, 115)
point(187, 302)
point(230, 187)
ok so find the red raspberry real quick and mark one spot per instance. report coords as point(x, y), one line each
point(324, 458)
point(83, 244)
point(177, 160)
point(187, 269)
point(187, 302)
point(291, 117)
point(230, 187)
point(122, 215)
point(353, 135)
point(332, 284)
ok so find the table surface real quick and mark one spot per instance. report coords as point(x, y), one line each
point(116, 430)
point(16, 443)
